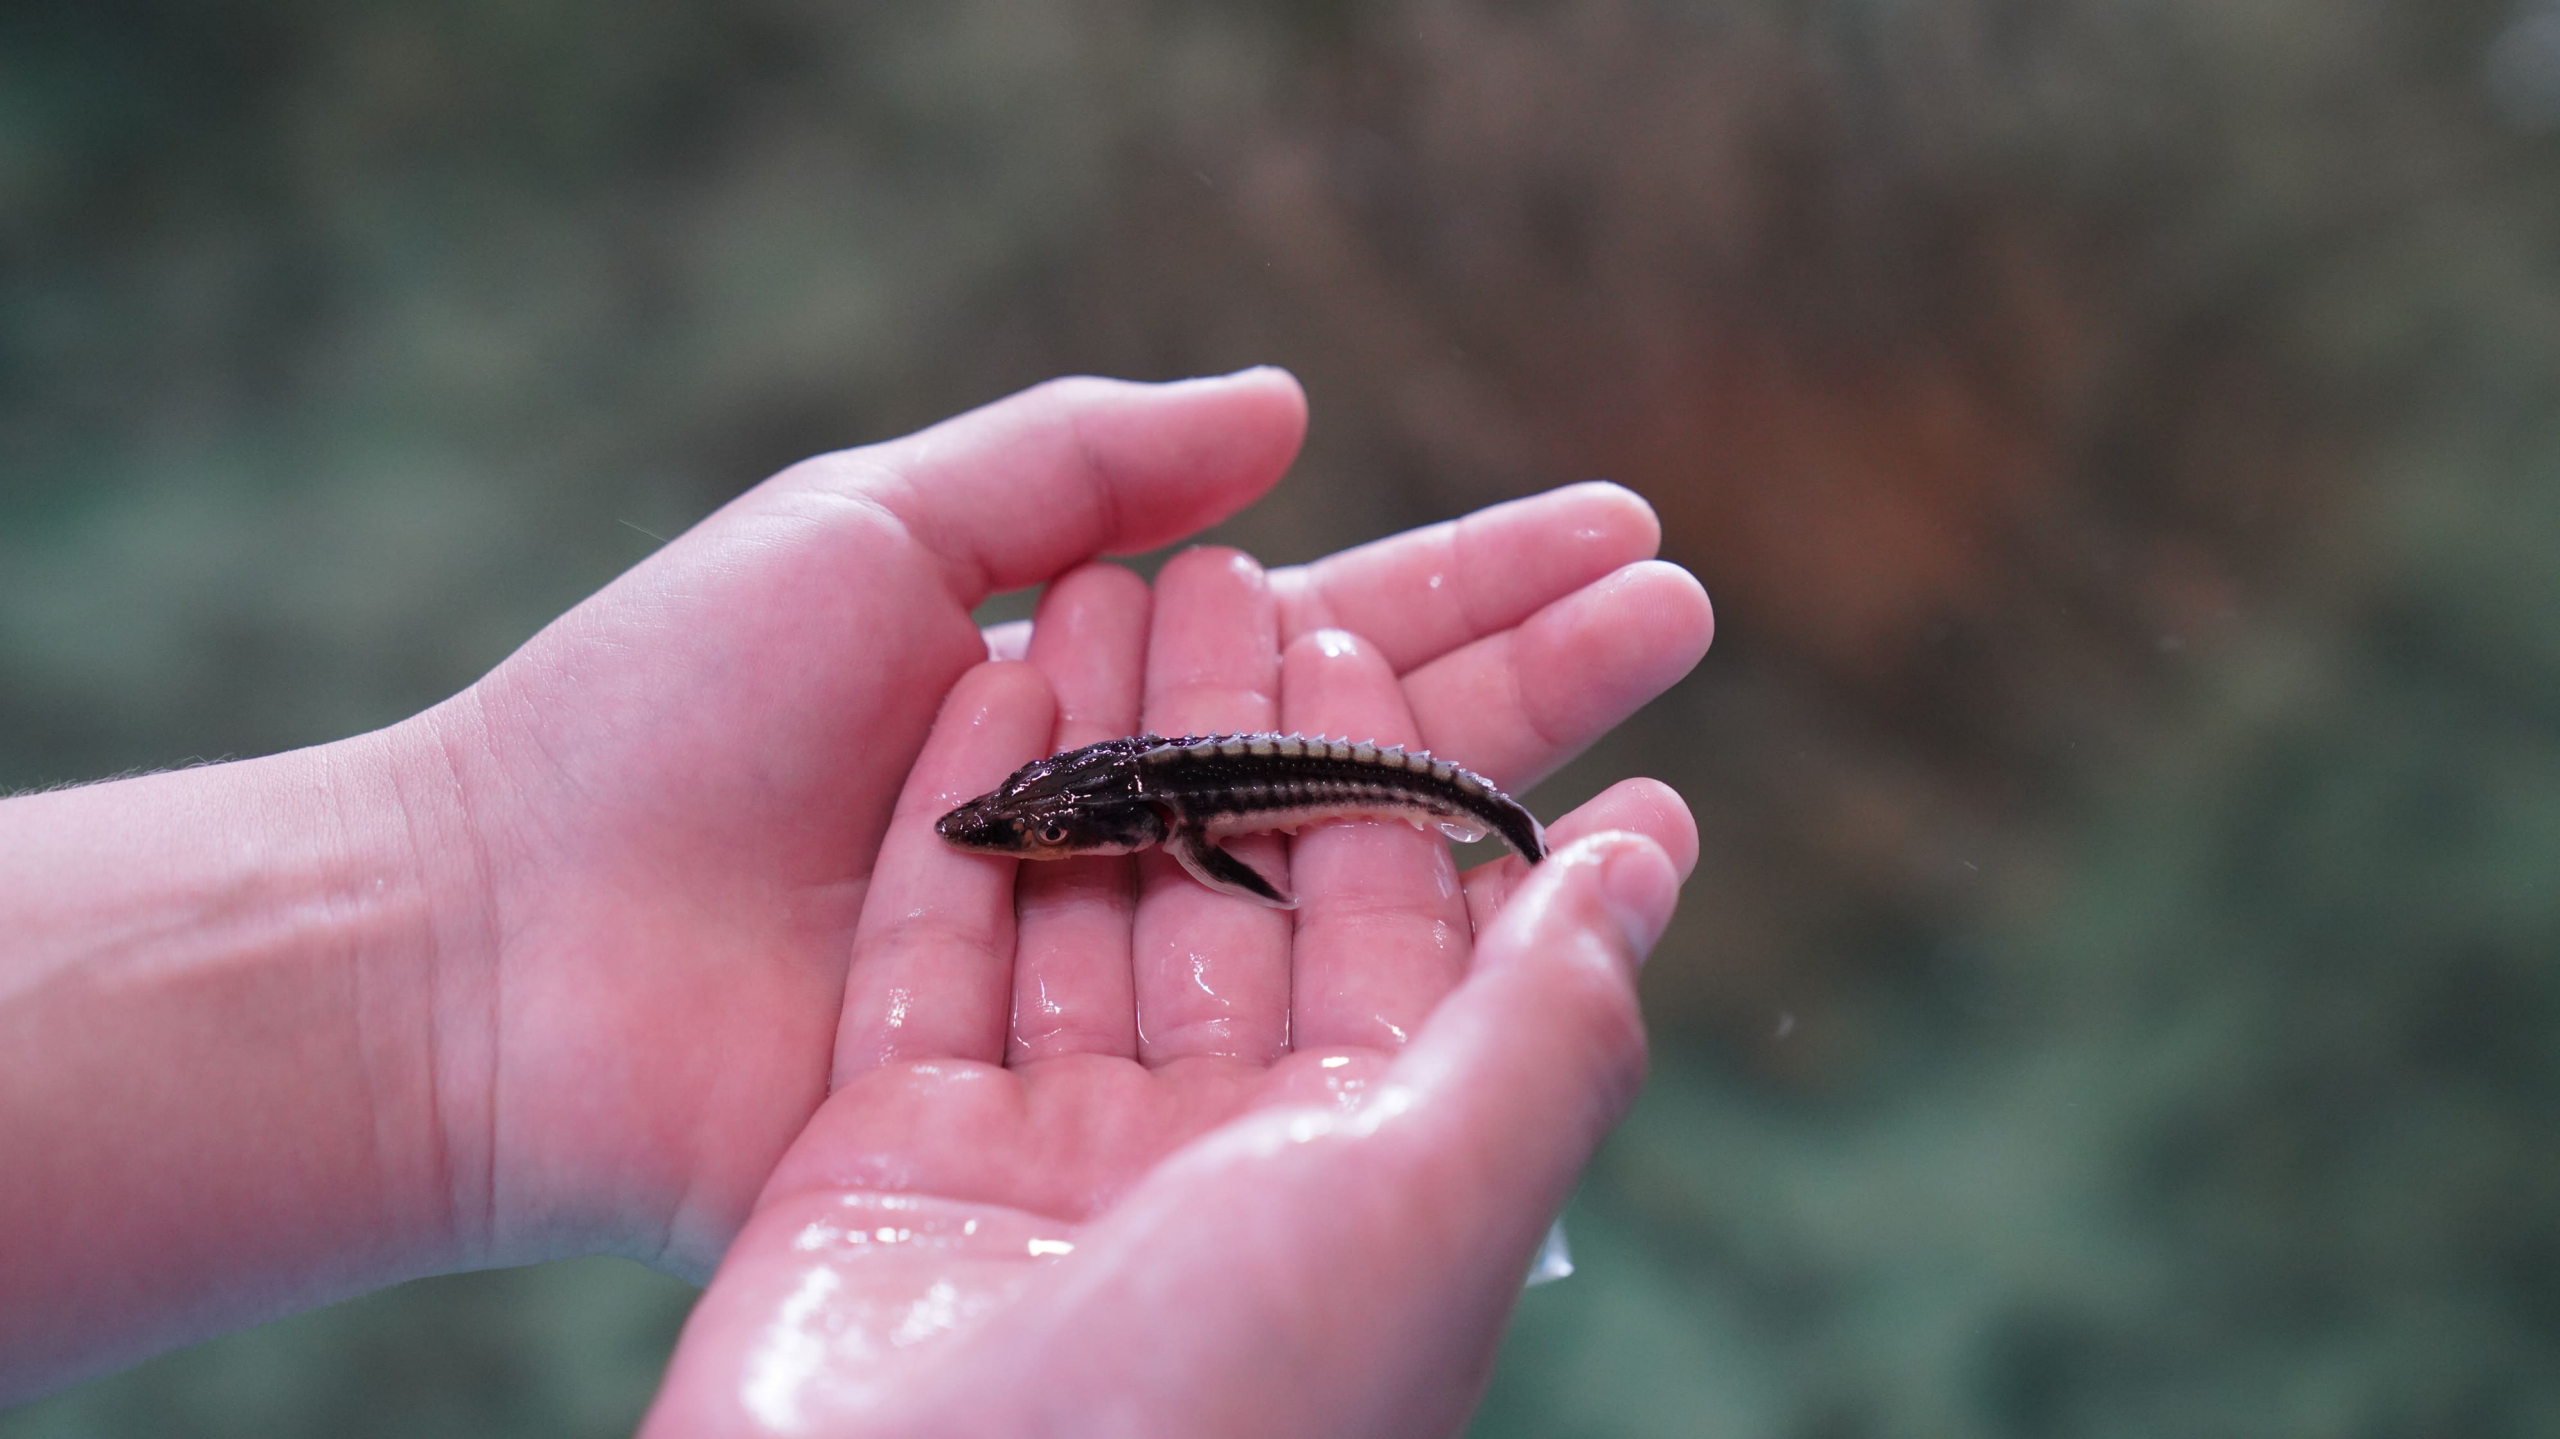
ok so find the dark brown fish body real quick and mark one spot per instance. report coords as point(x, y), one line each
point(1185, 794)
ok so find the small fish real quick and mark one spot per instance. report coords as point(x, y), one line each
point(1125, 794)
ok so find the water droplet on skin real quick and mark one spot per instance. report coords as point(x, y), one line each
point(1346, 1089)
point(937, 1312)
point(790, 1353)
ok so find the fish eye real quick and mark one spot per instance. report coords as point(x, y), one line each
point(1053, 833)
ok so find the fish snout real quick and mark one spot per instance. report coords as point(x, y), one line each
point(981, 827)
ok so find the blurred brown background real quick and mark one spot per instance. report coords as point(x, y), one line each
point(2121, 994)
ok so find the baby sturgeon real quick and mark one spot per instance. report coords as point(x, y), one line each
point(1185, 794)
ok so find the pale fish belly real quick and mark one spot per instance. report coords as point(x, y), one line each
point(1411, 809)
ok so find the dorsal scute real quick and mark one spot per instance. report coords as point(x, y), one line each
point(1265, 744)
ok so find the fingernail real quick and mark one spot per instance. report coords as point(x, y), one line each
point(1640, 888)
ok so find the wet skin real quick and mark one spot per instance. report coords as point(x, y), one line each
point(561, 966)
point(1023, 1045)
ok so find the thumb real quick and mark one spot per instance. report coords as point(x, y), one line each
point(1538, 1054)
point(1021, 490)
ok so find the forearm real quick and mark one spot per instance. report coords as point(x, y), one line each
point(220, 1032)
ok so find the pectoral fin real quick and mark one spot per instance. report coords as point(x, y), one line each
point(1223, 872)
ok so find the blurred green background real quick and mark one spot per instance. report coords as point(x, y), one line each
point(2121, 992)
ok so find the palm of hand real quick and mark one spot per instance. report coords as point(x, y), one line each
point(1036, 1036)
point(1018, 1051)
point(675, 763)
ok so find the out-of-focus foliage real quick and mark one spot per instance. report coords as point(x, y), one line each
point(2122, 989)
point(572, 1348)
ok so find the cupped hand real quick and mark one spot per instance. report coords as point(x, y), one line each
point(1109, 1152)
point(676, 798)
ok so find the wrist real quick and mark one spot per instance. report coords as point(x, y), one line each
point(220, 1050)
point(408, 822)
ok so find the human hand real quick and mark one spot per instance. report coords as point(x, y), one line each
point(981, 1230)
point(557, 967)
point(676, 795)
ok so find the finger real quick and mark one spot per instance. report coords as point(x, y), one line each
point(1640, 806)
point(1211, 971)
point(1381, 1246)
point(1421, 594)
point(1018, 491)
point(1071, 991)
point(1531, 1060)
point(1517, 704)
point(932, 972)
point(1382, 928)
